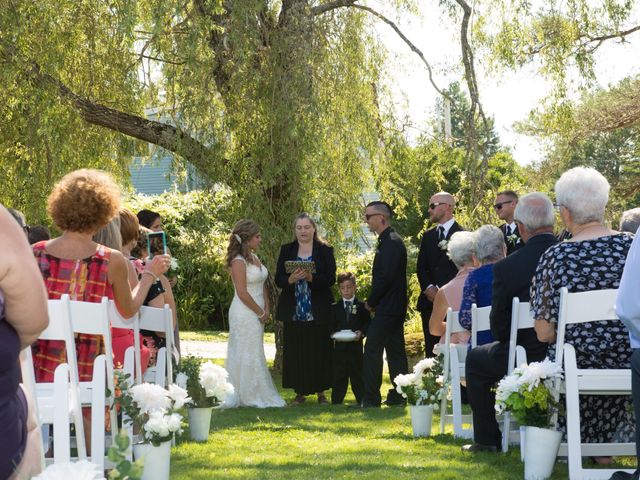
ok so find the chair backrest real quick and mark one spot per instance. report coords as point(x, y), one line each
point(479, 322)
point(581, 307)
point(131, 366)
point(159, 320)
point(92, 318)
point(521, 318)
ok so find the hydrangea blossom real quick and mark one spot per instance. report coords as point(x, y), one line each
point(424, 386)
point(81, 470)
point(149, 397)
point(213, 379)
point(178, 395)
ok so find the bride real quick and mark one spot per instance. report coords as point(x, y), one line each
point(249, 311)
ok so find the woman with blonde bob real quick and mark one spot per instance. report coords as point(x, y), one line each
point(248, 313)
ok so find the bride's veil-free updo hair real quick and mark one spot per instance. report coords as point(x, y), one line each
point(243, 231)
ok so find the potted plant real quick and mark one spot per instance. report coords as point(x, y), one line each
point(530, 393)
point(207, 385)
point(152, 410)
point(423, 389)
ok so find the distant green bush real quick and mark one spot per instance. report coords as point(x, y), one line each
point(197, 225)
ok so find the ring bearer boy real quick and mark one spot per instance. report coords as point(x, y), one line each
point(348, 314)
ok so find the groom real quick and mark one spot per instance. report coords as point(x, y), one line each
point(388, 302)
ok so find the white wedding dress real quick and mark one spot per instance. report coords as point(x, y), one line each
point(246, 363)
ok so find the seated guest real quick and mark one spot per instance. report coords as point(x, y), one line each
point(38, 233)
point(460, 251)
point(489, 247)
point(512, 276)
point(150, 219)
point(81, 204)
point(628, 309)
point(630, 221)
point(20, 218)
point(593, 259)
point(348, 314)
point(160, 292)
point(23, 315)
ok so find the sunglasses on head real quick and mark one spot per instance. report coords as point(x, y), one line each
point(498, 206)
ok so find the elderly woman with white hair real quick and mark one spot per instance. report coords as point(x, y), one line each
point(593, 259)
point(460, 251)
point(489, 247)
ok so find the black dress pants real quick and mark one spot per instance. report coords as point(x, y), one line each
point(430, 341)
point(485, 366)
point(347, 367)
point(385, 333)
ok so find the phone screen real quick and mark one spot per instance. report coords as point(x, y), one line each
point(156, 244)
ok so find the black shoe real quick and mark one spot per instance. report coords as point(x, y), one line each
point(625, 476)
point(478, 447)
point(393, 402)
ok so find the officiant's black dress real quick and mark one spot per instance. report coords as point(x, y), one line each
point(306, 361)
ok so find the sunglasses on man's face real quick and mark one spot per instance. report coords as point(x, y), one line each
point(367, 216)
point(498, 206)
point(432, 206)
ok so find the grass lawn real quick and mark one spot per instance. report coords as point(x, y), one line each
point(321, 441)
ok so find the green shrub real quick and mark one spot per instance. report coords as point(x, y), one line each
point(197, 225)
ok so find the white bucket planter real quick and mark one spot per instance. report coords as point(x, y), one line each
point(199, 423)
point(421, 416)
point(157, 460)
point(540, 452)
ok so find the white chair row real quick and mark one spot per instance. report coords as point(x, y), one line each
point(60, 403)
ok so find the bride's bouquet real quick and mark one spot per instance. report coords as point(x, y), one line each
point(205, 382)
point(424, 386)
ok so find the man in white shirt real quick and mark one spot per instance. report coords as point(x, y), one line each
point(628, 309)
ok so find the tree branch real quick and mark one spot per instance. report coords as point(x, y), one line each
point(413, 48)
point(326, 7)
point(164, 135)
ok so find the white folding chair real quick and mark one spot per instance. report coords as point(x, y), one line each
point(131, 366)
point(521, 318)
point(158, 320)
point(29, 387)
point(453, 374)
point(59, 403)
point(479, 322)
point(92, 318)
point(577, 308)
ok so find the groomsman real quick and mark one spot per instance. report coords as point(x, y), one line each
point(434, 267)
point(504, 206)
point(388, 302)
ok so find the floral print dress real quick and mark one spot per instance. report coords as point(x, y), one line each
point(582, 266)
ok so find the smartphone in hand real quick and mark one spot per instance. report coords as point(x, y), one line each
point(156, 244)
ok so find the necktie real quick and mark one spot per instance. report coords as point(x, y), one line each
point(347, 306)
point(440, 233)
point(508, 230)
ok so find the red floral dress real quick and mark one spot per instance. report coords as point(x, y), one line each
point(85, 280)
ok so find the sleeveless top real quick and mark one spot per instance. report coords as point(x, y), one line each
point(84, 280)
point(13, 407)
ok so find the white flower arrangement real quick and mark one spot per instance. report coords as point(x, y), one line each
point(530, 393)
point(81, 470)
point(513, 239)
point(424, 386)
point(152, 409)
point(443, 244)
point(206, 382)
